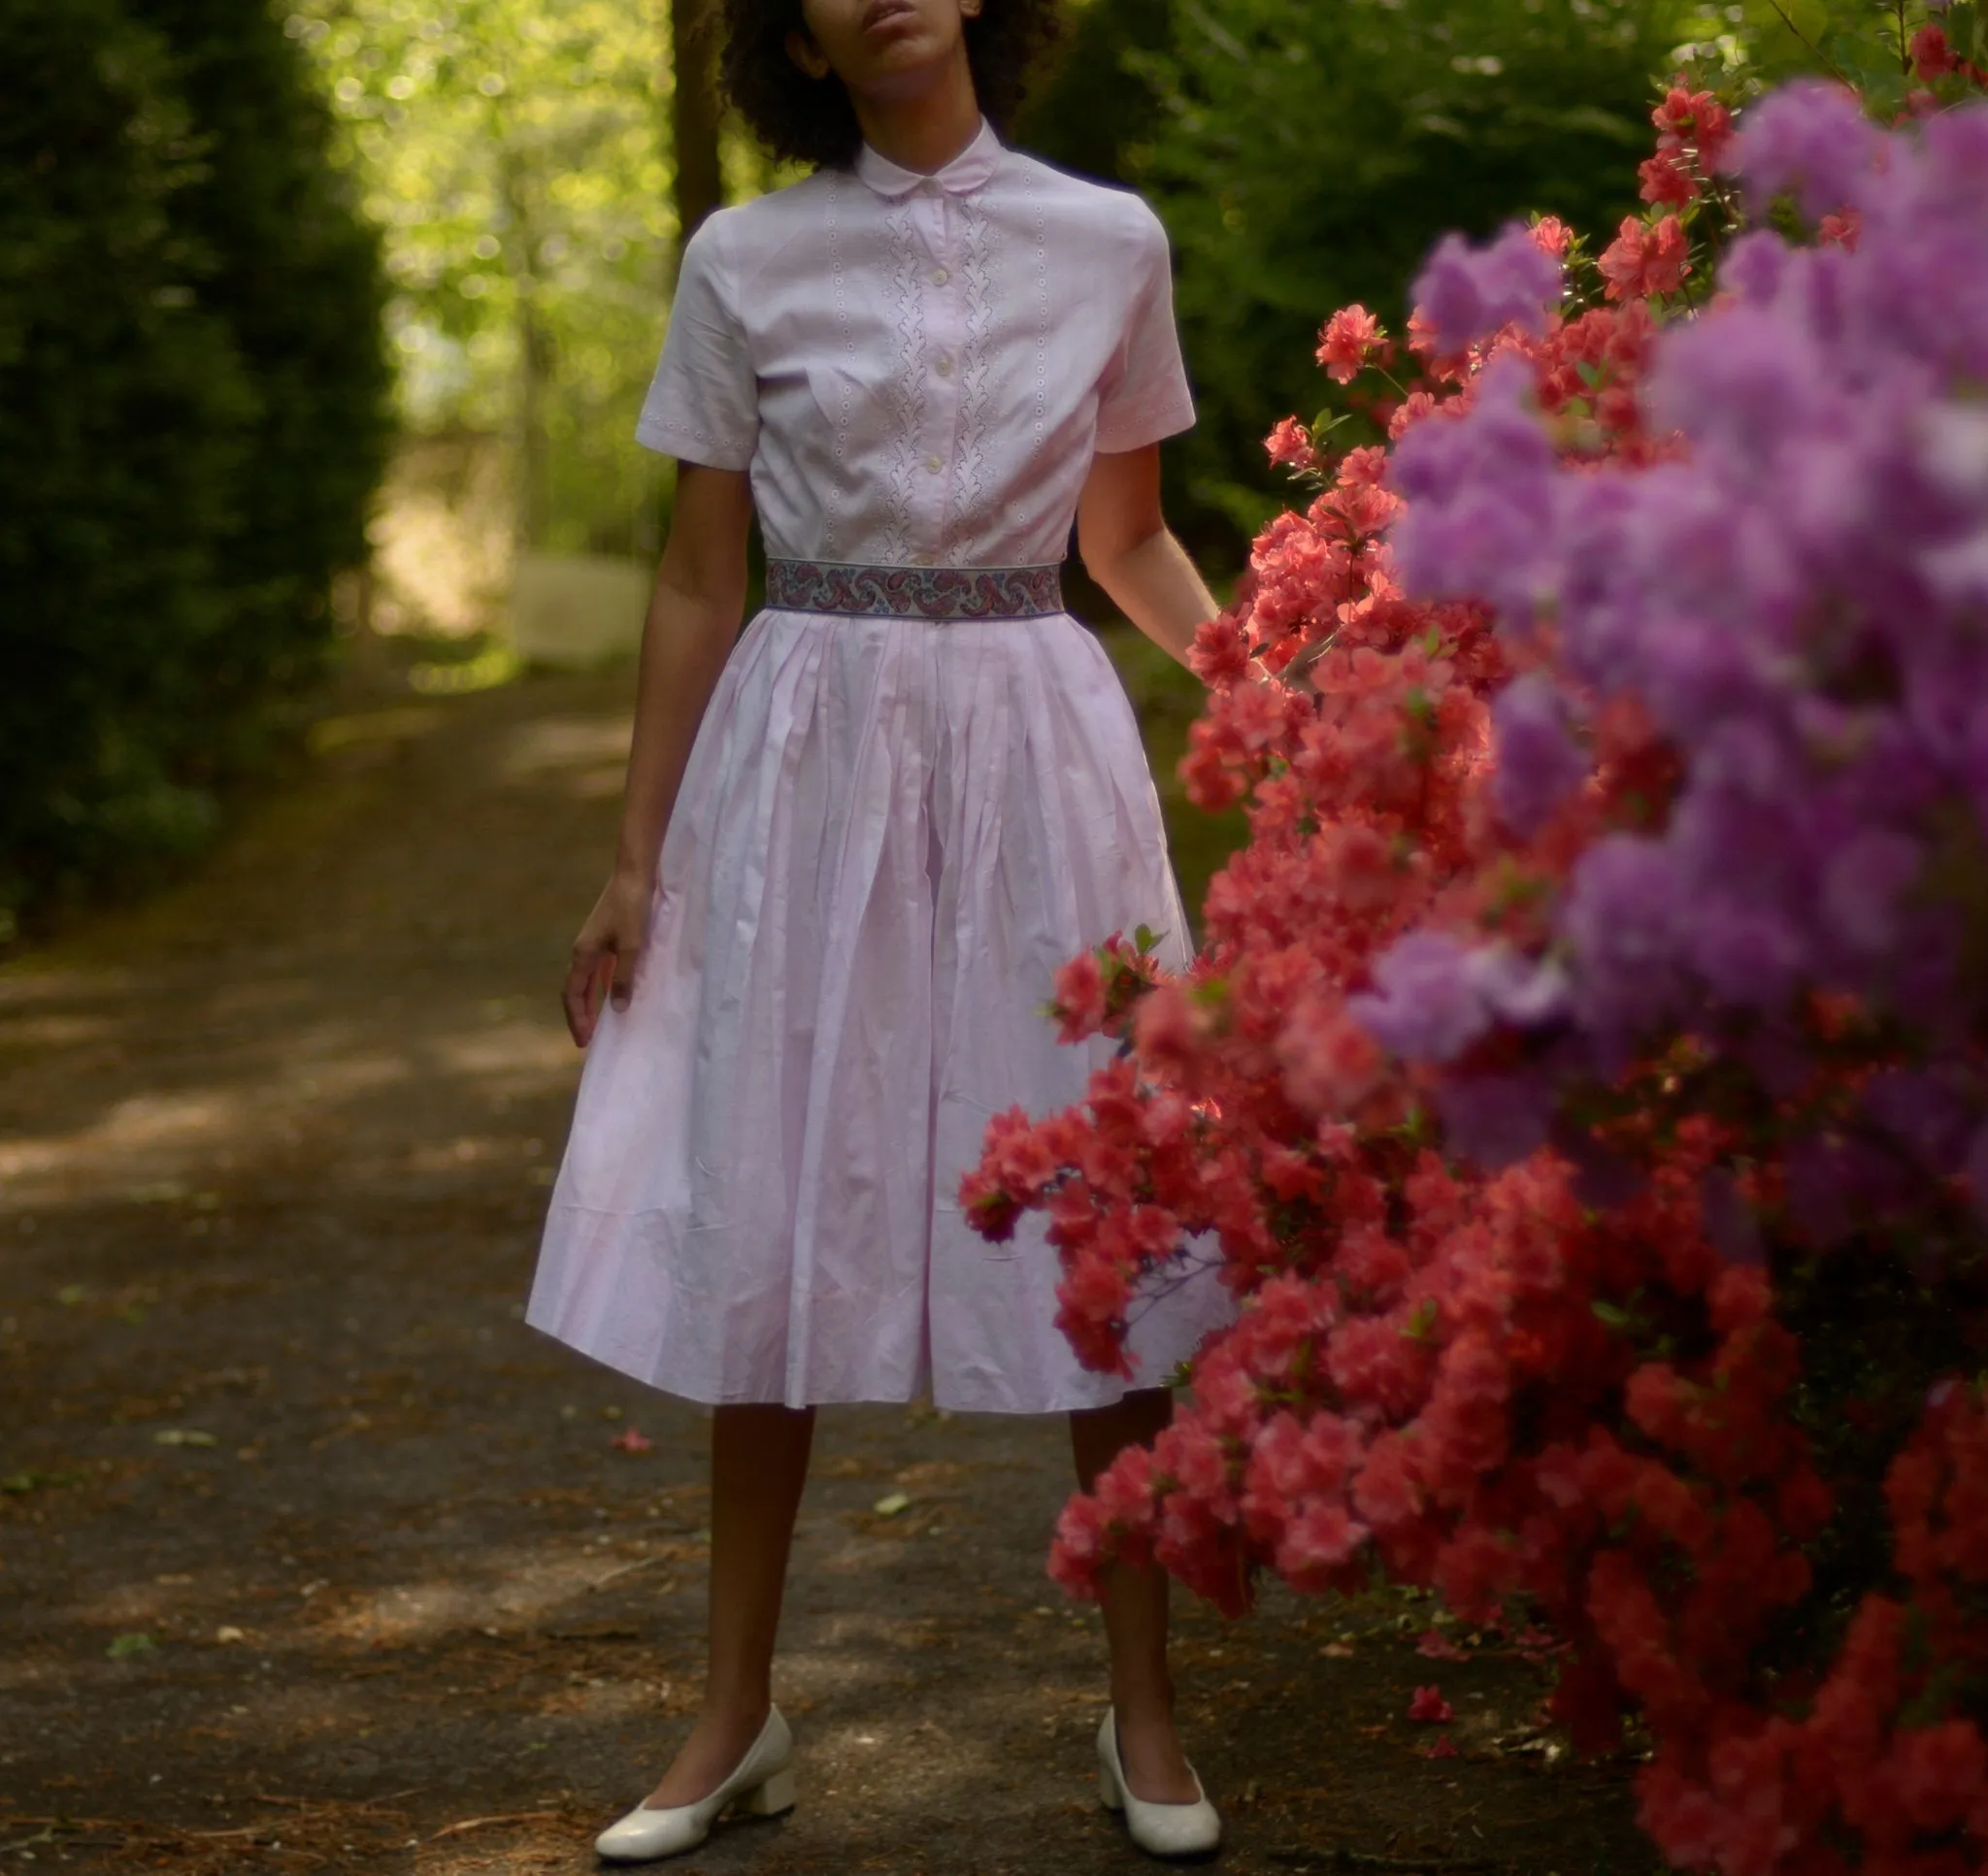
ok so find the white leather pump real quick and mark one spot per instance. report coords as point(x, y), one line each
point(761, 1785)
point(1159, 1829)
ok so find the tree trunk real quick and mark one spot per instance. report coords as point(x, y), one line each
point(536, 363)
point(694, 113)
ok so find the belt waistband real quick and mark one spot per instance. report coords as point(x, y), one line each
point(914, 592)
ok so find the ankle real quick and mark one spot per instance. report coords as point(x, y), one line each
point(730, 1711)
point(1144, 1703)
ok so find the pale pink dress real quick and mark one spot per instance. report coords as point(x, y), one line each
point(891, 832)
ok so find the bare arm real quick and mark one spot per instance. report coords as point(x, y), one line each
point(1128, 550)
point(693, 619)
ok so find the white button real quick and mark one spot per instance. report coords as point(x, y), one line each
point(939, 275)
point(933, 464)
point(943, 365)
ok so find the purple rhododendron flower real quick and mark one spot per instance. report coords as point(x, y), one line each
point(1819, 1190)
point(1862, 885)
point(1468, 293)
point(1539, 762)
point(1753, 956)
point(1795, 599)
point(1621, 916)
point(1809, 139)
point(1424, 1005)
point(1494, 1119)
point(1740, 383)
point(1755, 267)
point(1928, 1111)
point(1515, 988)
point(1976, 1170)
point(1480, 496)
point(1959, 572)
point(1730, 1223)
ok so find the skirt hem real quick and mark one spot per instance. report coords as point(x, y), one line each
point(1107, 1396)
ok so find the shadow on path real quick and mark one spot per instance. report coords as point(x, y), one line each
point(313, 1557)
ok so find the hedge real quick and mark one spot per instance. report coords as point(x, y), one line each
point(193, 413)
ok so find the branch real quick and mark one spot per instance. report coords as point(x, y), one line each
point(1815, 49)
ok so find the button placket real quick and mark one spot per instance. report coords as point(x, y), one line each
point(941, 296)
point(949, 334)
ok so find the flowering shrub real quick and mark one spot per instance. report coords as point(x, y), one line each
point(1581, 1087)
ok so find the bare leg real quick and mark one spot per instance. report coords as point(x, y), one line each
point(759, 1467)
point(1136, 1613)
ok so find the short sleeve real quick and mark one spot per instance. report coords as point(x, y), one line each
point(703, 405)
point(1143, 394)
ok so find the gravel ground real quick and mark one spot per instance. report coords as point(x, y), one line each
point(313, 1556)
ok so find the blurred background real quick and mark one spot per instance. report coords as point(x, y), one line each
point(323, 326)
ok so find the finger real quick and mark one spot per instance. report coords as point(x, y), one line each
point(578, 998)
point(572, 1003)
point(621, 980)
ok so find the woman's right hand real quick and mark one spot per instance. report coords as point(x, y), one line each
point(604, 954)
point(692, 625)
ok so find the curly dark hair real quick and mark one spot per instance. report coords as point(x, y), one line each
point(812, 120)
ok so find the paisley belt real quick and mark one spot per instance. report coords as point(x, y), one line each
point(914, 592)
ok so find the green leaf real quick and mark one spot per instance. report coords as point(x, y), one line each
point(123, 1646)
point(1422, 1323)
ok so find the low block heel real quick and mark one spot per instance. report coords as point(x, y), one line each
point(770, 1799)
point(1192, 1829)
point(647, 1836)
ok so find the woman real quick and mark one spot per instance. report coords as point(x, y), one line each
point(858, 841)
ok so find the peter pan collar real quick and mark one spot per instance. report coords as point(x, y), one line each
point(966, 171)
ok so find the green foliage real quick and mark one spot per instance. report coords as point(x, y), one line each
point(1865, 43)
point(516, 156)
point(1305, 156)
point(191, 419)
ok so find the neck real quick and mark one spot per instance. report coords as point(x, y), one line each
point(926, 128)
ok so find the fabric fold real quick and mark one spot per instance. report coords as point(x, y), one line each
point(889, 836)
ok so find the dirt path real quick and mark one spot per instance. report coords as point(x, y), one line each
point(313, 1557)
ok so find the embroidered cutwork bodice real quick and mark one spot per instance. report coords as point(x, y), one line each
point(918, 369)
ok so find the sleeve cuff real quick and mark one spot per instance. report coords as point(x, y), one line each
point(691, 444)
point(1133, 426)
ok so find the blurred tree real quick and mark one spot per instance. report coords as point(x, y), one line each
point(193, 414)
point(1095, 108)
point(510, 152)
point(694, 113)
point(1304, 156)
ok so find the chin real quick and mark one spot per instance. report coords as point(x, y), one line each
point(903, 71)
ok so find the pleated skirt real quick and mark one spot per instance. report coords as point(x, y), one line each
point(888, 837)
